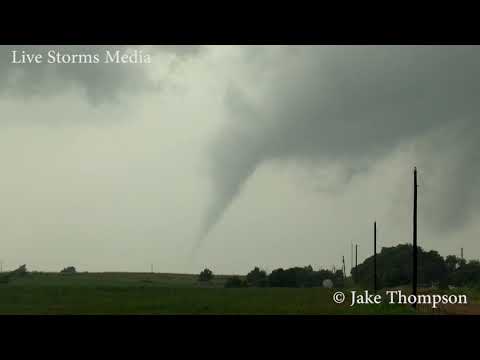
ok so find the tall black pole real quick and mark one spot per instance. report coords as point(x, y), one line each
point(351, 258)
point(356, 261)
point(375, 257)
point(414, 279)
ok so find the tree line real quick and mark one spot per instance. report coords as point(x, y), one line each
point(291, 277)
point(394, 268)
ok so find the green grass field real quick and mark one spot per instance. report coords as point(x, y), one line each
point(137, 293)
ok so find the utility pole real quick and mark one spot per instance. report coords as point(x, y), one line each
point(343, 262)
point(351, 257)
point(356, 261)
point(414, 279)
point(356, 256)
point(375, 257)
point(461, 253)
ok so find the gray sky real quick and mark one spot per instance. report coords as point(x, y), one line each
point(237, 156)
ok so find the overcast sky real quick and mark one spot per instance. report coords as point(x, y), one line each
point(231, 157)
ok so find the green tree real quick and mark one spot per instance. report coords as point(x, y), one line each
point(394, 268)
point(452, 262)
point(302, 277)
point(257, 277)
point(205, 275)
point(467, 274)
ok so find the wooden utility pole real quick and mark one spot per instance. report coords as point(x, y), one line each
point(375, 257)
point(351, 257)
point(356, 256)
point(343, 262)
point(414, 278)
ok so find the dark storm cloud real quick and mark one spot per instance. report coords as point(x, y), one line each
point(101, 82)
point(450, 159)
point(354, 105)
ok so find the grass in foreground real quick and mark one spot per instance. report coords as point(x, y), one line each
point(158, 300)
point(166, 294)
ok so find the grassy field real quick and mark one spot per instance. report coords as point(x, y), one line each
point(117, 280)
point(137, 293)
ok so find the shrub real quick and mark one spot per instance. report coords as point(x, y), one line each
point(21, 271)
point(235, 282)
point(69, 270)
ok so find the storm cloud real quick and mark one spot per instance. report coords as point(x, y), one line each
point(116, 167)
point(353, 105)
point(99, 82)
